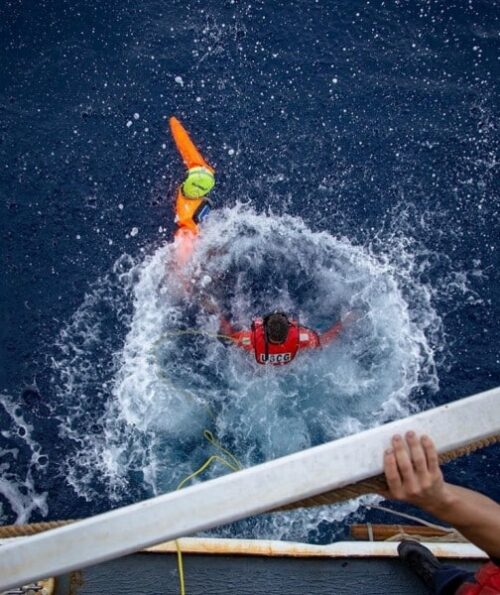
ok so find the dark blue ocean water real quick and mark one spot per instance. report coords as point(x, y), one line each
point(373, 122)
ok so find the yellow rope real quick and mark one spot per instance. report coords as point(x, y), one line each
point(180, 566)
point(191, 331)
point(210, 437)
point(232, 464)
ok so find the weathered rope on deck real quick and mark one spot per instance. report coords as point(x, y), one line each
point(377, 483)
point(367, 486)
point(8, 531)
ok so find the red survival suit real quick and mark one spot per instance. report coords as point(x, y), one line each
point(299, 337)
point(487, 579)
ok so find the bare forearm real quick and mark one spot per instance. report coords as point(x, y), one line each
point(476, 516)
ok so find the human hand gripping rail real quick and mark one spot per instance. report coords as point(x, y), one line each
point(414, 476)
point(275, 338)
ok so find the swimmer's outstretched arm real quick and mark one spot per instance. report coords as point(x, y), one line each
point(240, 338)
point(321, 339)
point(331, 334)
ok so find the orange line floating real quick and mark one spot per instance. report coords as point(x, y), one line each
point(187, 149)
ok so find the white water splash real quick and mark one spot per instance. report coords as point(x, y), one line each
point(134, 411)
point(17, 484)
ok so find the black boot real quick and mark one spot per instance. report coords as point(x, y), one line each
point(421, 560)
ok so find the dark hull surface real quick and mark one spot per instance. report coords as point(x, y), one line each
point(157, 574)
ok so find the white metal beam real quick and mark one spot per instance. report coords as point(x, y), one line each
point(240, 494)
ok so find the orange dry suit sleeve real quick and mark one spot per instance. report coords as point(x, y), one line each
point(187, 209)
point(334, 331)
point(241, 338)
point(331, 334)
point(309, 339)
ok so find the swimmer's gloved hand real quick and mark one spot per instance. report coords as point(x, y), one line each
point(199, 181)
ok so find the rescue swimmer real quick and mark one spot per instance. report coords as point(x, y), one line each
point(275, 338)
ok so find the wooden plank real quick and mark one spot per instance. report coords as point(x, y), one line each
point(380, 532)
